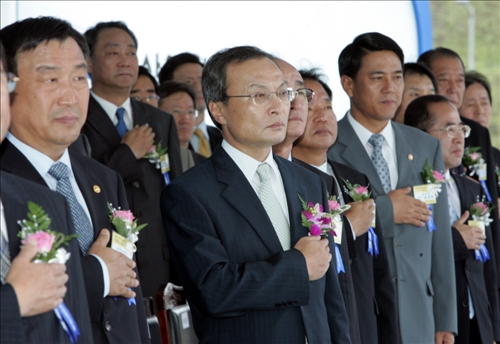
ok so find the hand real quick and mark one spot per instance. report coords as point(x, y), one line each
point(317, 254)
point(472, 236)
point(39, 287)
point(140, 139)
point(408, 209)
point(444, 338)
point(361, 216)
point(121, 275)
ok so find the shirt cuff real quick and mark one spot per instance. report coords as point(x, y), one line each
point(105, 275)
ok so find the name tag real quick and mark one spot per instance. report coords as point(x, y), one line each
point(164, 163)
point(374, 217)
point(481, 173)
point(425, 193)
point(478, 224)
point(122, 245)
point(338, 231)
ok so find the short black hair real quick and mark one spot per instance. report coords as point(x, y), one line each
point(474, 77)
point(3, 57)
point(412, 68)
point(315, 74)
point(29, 33)
point(214, 78)
point(92, 34)
point(144, 71)
point(351, 57)
point(173, 62)
point(168, 88)
point(417, 113)
point(430, 56)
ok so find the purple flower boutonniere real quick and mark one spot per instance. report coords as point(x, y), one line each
point(315, 219)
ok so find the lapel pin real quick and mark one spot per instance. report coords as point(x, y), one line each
point(97, 189)
point(410, 157)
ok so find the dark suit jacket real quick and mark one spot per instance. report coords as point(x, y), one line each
point(143, 182)
point(480, 278)
point(242, 287)
point(375, 297)
point(113, 321)
point(496, 158)
point(480, 137)
point(43, 328)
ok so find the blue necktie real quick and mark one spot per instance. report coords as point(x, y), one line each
point(377, 140)
point(120, 126)
point(5, 263)
point(82, 223)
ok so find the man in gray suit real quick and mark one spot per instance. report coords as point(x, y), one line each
point(393, 156)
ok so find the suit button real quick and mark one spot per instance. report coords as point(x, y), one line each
point(284, 304)
point(278, 305)
point(136, 184)
point(395, 280)
point(107, 326)
point(289, 303)
point(467, 272)
point(295, 302)
point(396, 245)
point(465, 303)
point(383, 232)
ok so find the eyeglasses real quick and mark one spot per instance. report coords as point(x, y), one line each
point(453, 130)
point(303, 94)
point(264, 97)
point(11, 82)
point(187, 113)
point(147, 98)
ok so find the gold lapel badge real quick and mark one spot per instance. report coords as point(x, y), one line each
point(410, 157)
point(97, 189)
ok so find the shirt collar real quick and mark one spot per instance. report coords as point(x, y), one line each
point(203, 128)
point(41, 162)
point(110, 108)
point(365, 134)
point(246, 163)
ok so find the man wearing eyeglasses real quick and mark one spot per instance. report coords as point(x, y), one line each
point(476, 277)
point(250, 271)
point(121, 131)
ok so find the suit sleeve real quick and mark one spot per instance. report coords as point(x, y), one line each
point(490, 277)
point(443, 269)
point(11, 325)
point(217, 286)
point(460, 250)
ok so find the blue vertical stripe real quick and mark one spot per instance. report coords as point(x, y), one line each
point(423, 18)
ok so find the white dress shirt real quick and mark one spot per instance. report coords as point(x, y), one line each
point(248, 166)
point(3, 224)
point(388, 148)
point(111, 108)
point(42, 164)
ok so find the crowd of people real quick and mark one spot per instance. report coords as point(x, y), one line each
point(405, 186)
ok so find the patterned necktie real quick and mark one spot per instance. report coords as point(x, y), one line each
point(121, 126)
point(377, 140)
point(5, 263)
point(203, 147)
point(451, 209)
point(80, 219)
point(272, 206)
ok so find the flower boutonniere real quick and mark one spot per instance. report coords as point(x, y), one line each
point(315, 219)
point(154, 154)
point(476, 166)
point(49, 250)
point(360, 193)
point(126, 226)
point(480, 212)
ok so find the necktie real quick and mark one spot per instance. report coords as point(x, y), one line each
point(272, 206)
point(80, 219)
point(203, 147)
point(5, 262)
point(451, 209)
point(120, 126)
point(377, 140)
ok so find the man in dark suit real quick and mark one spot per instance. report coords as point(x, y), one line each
point(250, 271)
point(392, 156)
point(448, 68)
point(187, 68)
point(121, 131)
point(374, 293)
point(29, 291)
point(476, 281)
point(48, 110)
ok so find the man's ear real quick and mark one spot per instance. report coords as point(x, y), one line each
point(347, 84)
point(217, 109)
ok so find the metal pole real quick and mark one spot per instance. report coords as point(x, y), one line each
point(471, 33)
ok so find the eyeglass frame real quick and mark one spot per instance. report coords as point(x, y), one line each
point(148, 98)
point(307, 99)
point(465, 130)
point(289, 90)
point(184, 113)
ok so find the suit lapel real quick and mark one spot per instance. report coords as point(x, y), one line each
point(100, 121)
point(355, 154)
point(242, 197)
point(140, 117)
point(403, 153)
point(13, 161)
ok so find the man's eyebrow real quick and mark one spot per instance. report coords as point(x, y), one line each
point(82, 65)
point(47, 68)
point(112, 44)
